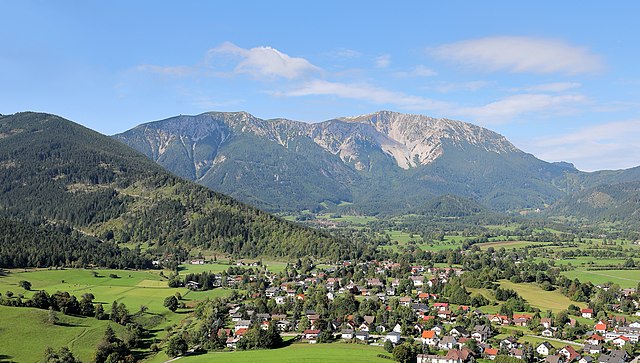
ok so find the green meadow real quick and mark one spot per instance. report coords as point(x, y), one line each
point(624, 278)
point(539, 298)
point(28, 339)
point(25, 334)
point(508, 244)
point(299, 352)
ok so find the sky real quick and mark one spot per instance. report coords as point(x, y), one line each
point(559, 79)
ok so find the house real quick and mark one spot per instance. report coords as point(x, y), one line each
point(614, 356)
point(516, 353)
point(553, 359)
point(397, 328)
point(620, 341)
point(444, 314)
point(311, 335)
point(601, 327)
point(232, 342)
point(362, 335)
point(453, 356)
point(458, 332)
point(592, 349)
point(438, 329)
point(242, 324)
point(429, 338)
point(491, 353)
point(481, 333)
point(448, 342)
point(280, 300)
point(369, 319)
point(546, 322)
point(198, 261)
point(547, 333)
point(569, 353)
point(393, 337)
point(544, 349)
point(405, 301)
point(442, 306)
point(347, 333)
point(284, 325)
point(509, 343)
point(521, 319)
point(595, 339)
point(586, 313)
point(586, 359)
point(499, 319)
point(418, 281)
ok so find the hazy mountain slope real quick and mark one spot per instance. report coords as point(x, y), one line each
point(608, 202)
point(53, 171)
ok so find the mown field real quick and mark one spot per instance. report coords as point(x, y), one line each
point(539, 298)
point(509, 245)
point(624, 278)
point(299, 352)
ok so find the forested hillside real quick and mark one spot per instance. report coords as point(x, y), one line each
point(56, 173)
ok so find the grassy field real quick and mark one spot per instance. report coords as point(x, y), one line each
point(624, 278)
point(539, 298)
point(352, 220)
point(25, 334)
point(508, 244)
point(299, 352)
point(27, 340)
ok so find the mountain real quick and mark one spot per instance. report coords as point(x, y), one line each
point(384, 162)
point(57, 174)
point(615, 202)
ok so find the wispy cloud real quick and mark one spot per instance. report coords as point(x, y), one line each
point(510, 107)
point(383, 61)
point(365, 92)
point(417, 71)
point(521, 55)
point(612, 145)
point(552, 87)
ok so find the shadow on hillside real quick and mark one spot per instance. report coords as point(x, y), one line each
point(69, 325)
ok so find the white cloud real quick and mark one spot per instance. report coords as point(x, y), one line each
point(520, 55)
point(507, 108)
point(417, 71)
point(259, 62)
point(552, 87)
point(264, 62)
point(365, 92)
point(383, 61)
point(613, 145)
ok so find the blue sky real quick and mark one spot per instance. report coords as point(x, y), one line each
point(560, 79)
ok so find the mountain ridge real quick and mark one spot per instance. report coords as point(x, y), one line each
point(348, 159)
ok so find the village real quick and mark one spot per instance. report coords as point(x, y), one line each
point(388, 311)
